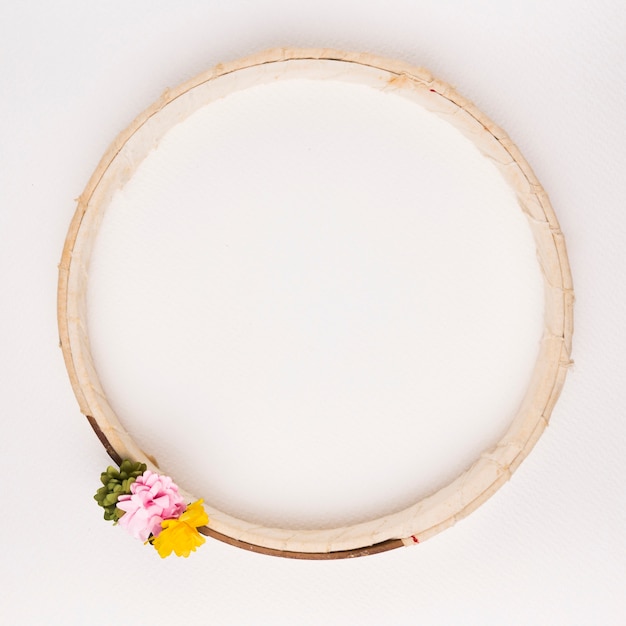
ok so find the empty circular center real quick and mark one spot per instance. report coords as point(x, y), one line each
point(314, 303)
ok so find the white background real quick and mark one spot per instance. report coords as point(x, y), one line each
point(329, 291)
point(549, 548)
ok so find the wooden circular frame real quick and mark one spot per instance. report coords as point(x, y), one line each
point(495, 466)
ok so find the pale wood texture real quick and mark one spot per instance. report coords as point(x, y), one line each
point(495, 466)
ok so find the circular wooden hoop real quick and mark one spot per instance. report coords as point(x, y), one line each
point(495, 466)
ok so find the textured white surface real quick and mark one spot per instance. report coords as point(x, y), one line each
point(548, 549)
point(327, 300)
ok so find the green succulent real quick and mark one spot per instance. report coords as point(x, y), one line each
point(116, 483)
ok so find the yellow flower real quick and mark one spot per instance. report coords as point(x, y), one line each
point(181, 535)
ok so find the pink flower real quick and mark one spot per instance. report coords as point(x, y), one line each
point(153, 498)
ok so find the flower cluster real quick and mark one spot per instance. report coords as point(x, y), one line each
point(150, 508)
